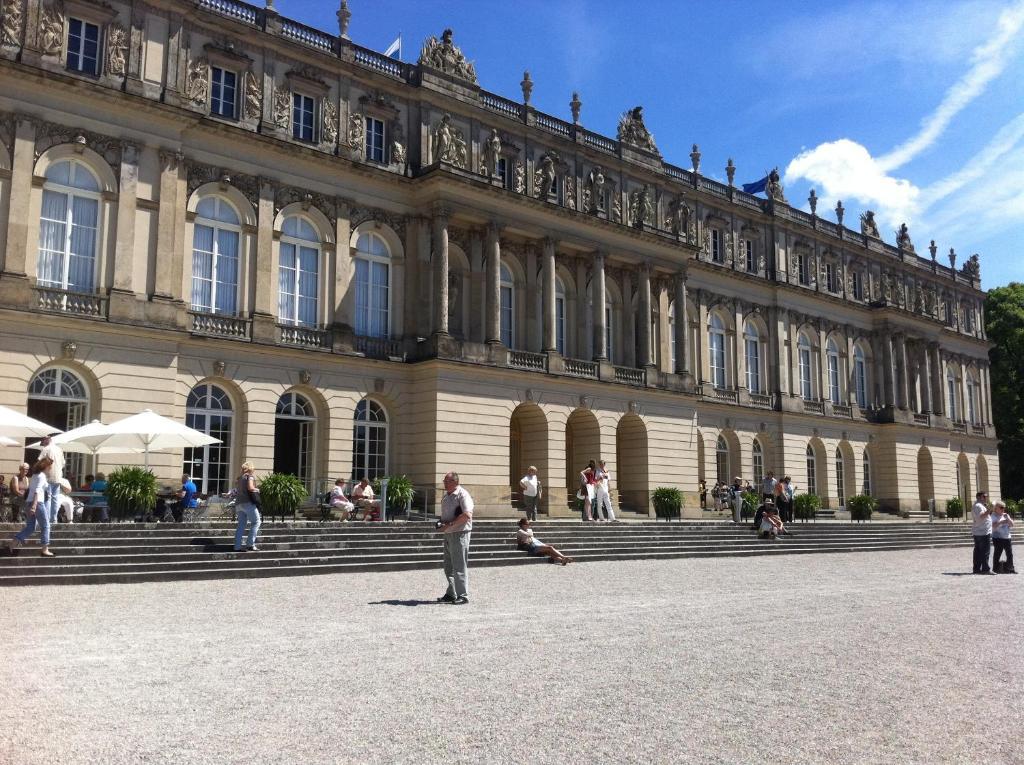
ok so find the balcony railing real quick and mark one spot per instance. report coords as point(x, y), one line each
point(716, 188)
point(307, 35)
point(527, 360)
point(553, 125)
point(761, 401)
point(380, 348)
point(920, 418)
point(598, 141)
point(727, 396)
point(220, 325)
point(305, 337)
point(75, 303)
point(580, 368)
point(501, 105)
point(814, 407)
point(978, 430)
point(241, 11)
point(630, 376)
point(959, 427)
point(378, 62)
point(842, 410)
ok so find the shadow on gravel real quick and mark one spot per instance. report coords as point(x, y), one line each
point(957, 573)
point(405, 603)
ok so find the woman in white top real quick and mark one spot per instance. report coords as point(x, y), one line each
point(340, 501)
point(528, 542)
point(1001, 525)
point(36, 510)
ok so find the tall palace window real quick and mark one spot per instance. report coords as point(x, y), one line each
point(369, 441)
point(209, 411)
point(215, 256)
point(69, 227)
point(298, 280)
point(373, 276)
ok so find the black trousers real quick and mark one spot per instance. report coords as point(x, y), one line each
point(982, 548)
point(1002, 546)
point(786, 511)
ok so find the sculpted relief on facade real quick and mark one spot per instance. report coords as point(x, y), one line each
point(10, 24)
point(449, 144)
point(197, 81)
point(117, 50)
point(253, 96)
point(51, 29)
point(634, 132)
point(446, 57)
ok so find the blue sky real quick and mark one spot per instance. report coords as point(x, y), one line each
point(912, 109)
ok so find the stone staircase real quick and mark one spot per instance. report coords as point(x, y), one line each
point(97, 554)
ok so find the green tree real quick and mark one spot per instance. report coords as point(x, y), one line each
point(1004, 323)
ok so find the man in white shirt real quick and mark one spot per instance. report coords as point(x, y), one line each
point(981, 528)
point(530, 484)
point(54, 473)
point(456, 523)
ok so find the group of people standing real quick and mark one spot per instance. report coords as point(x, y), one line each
point(991, 526)
point(595, 491)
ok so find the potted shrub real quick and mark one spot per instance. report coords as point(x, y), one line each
point(131, 490)
point(400, 492)
point(861, 507)
point(668, 502)
point(751, 499)
point(281, 493)
point(954, 508)
point(1012, 508)
point(805, 506)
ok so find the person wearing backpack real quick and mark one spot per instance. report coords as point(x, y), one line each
point(36, 508)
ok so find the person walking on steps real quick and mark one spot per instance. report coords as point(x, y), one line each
point(1001, 525)
point(981, 528)
point(455, 526)
point(54, 473)
point(36, 510)
point(248, 508)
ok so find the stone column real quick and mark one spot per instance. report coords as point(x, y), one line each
point(343, 310)
point(938, 397)
point(925, 379)
point(682, 366)
point(599, 305)
point(627, 334)
point(425, 315)
point(823, 386)
point(19, 220)
point(701, 350)
point(124, 249)
point(171, 163)
point(739, 376)
point(779, 379)
point(887, 371)
point(477, 292)
point(986, 391)
point(903, 371)
point(492, 251)
point(266, 275)
point(582, 340)
point(646, 357)
point(440, 256)
point(548, 296)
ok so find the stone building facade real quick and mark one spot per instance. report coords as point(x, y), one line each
point(343, 264)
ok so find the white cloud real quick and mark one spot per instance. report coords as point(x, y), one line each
point(988, 62)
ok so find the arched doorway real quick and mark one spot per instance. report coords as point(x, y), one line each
point(631, 463)
point(582, 444)
point(369, 441)
point(981, 474)
point(925, 476)
point(59, 397)
point(963, 481)
point(295, 438)
point(528, 445)
point(209, 411)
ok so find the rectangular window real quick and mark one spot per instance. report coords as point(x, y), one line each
point(716, 246)
point(503, 171)
point(860, 375)
point(858, 286)
point(972, 412)
point(372, 302)
point(507, 334)
point(951, 392)
point(223, 91)
point(83, 47)
point(806, 390)
point(833, 379)
point(560, 325)
point(831, 283)
point(608, 335)
point(753, 367)
point(801, 260)
point(748, 254)
point(374, 140)
point(303, 118)
point(716, 346)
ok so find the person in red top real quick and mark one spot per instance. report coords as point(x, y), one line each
point(588, 489)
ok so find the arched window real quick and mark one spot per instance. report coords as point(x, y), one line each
point(812, 471)
point(215, 257)
point(294, 437)
point(209, 410)
point(716, 350)
point(69, 227)
point(954, 410)
point(559, 316)
point(369, 441)
point(757, 460)
point(298, 274)
point(840, 479)
point(722, 460)
point(752, 354)
point(58, 397)
point(507, 307)
point(860, 377)
point(865, 461)
point(804, 355)
point(834, 376)
point(373, 279)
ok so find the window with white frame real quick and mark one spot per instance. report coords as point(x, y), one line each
point(804, 356)
point(722, 460)
point(83, 47)
point(209, 411)
point(69, 227)
point(803, 266)
point(609, 330)
point(757, 460)
point(812, 471)
point(672, 335)
point(840, 479)
point(972, 401)
point(375, 151)
point(215, 257)
point(752, 355)
point(369, 441)
point(831, 277)
point(223, 92)
point(834, 376)
point(860, 376)
point(298, 274)
point(559, 316)
point(717, 252)
point(303, 117)
point(716, 350)
point(373, 277)
point(507, 307)
point(749, 257)
point(954, 410)
point(858, 285)
point(866, 469)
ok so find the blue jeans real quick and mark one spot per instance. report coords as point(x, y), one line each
point(247, 514)
point(40, 516)
point(55, 502)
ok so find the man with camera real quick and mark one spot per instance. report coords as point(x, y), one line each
point(456, 524)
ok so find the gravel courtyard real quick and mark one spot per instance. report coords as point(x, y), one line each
point(868, 658)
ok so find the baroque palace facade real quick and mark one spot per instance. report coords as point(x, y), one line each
point(342, 264)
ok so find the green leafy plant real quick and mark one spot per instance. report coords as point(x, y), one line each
point(281, 494)
point(954, 508)
point(400, 490)
point(668, 502)
point(131, 489)
point(751, 499)
point(805, 506)
point(1013, 508)
point(861, 507)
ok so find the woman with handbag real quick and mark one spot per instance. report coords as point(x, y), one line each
point(34, 505)
point(248, 508)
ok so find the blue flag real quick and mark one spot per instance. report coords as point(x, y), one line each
point(756, 187)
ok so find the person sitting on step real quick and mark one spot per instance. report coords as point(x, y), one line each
point(771, 524)
point(362, 496)
point(529, 543)
point(339, 501)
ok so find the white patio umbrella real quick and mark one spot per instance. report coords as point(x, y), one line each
point(5, 441)
point(83, 441)
point(148, 432)
point(14, 424)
